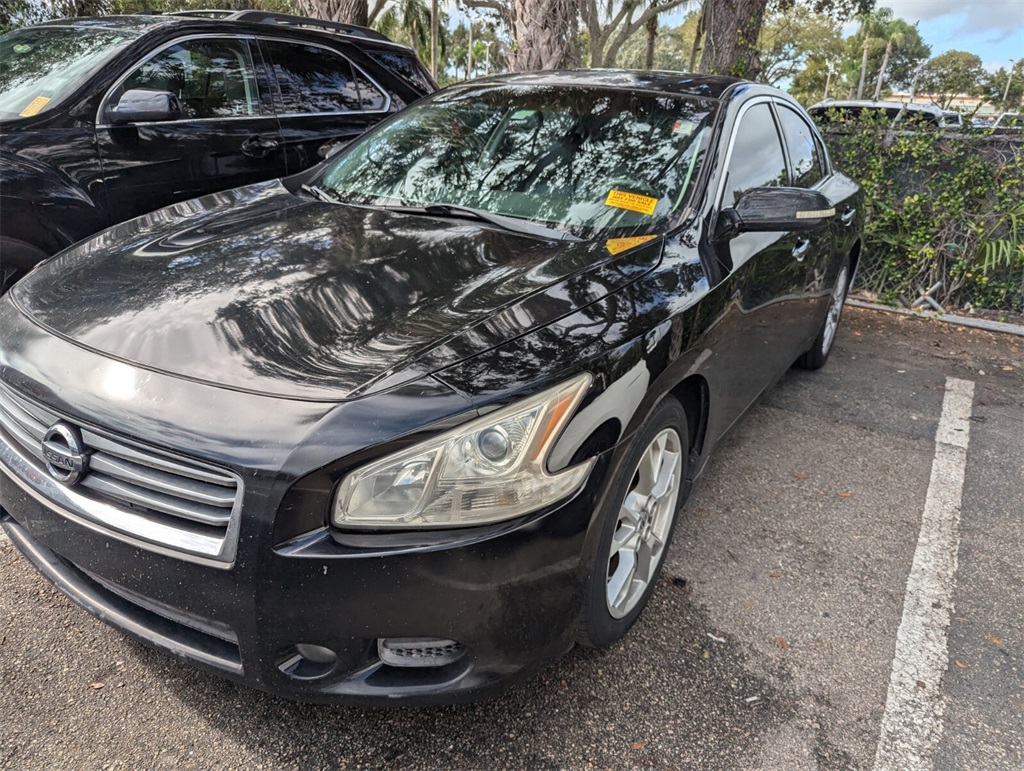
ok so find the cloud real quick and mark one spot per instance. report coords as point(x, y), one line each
point(1004, 17)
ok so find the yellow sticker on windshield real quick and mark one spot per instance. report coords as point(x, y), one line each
point(34, 106)
point(631, 201)
point(617, 245)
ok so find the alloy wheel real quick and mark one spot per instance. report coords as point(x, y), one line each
point(644, 523)
point(835, 310)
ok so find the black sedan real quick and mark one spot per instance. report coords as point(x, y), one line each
point(409, 428)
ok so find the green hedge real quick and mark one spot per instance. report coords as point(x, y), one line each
point(941, 208)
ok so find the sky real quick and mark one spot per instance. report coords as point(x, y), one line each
point(992, 29)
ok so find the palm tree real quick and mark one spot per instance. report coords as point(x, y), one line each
point(405, 21)
point(872, 26)
point(895, 40)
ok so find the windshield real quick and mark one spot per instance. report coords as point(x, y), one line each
point(579, 159)
point(41, 65)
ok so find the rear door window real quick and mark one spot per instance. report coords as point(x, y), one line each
point(315, 80)
point(804, 154)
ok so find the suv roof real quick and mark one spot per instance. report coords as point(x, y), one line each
point(148, 21)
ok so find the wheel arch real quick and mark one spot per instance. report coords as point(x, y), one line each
point(854, 261)
point(695, 395)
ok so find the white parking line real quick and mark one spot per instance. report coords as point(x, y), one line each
point(912, 721)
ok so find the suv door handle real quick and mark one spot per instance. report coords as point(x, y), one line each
point(800, 250)
point(258, 147)
point(848, 215)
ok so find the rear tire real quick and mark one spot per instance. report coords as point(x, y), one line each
point(637, 522)
point(816, 356)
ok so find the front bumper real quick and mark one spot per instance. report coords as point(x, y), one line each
point(510, 595)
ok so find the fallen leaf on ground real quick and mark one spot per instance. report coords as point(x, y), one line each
point(776, 574)
point(802, 475)
point(781, 642)
point(638, 745)
point(993, 639)
point(960, 664)
point(845, 494)
point(920, 684)
point(95, 686)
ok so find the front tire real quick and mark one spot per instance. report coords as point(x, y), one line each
point(816, 356)
point(637, 522)
point(16, 258)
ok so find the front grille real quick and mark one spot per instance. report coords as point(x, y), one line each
point(166, 493)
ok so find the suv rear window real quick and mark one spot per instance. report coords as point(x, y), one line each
point(313, 80)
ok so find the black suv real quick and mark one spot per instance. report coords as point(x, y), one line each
point(104, 119)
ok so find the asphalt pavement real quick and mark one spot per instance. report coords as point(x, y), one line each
point(785, 607)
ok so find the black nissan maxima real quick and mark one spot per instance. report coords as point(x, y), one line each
point(410, 427)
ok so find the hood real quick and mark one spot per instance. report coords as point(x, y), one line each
point(260, 290)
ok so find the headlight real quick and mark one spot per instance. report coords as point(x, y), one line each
point(485, 471)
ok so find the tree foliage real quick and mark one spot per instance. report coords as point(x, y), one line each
point(729, 31)
point(610, 23)
point(950, 74)
point(793, 38)
point(994, 89)
point(875, 31)
point(672, 47)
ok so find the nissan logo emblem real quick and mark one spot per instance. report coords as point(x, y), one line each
point(64, 453)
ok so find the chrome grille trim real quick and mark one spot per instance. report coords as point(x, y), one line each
point(145, 494)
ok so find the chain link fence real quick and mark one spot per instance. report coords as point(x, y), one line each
point(1001, 291)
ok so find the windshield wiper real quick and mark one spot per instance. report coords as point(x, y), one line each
point(321, 194)
point(513, 224)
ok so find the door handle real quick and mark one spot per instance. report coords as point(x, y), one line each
point(848, 215)
point(258, 147)
point(800, 250)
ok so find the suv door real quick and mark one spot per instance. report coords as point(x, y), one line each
point(323, 101)
point(226, 135)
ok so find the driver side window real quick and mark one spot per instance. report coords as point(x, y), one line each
point(757, 159)
point(210, 78)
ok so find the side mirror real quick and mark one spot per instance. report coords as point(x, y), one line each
point(140, 105)
point(769, 209)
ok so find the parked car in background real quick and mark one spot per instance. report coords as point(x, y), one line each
point(410, 430)
point(1009, 122)
point(952, 119)
point(105, 119)
point(847, 110)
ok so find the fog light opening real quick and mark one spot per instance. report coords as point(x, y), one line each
point(419, 651)
point(305, 661)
